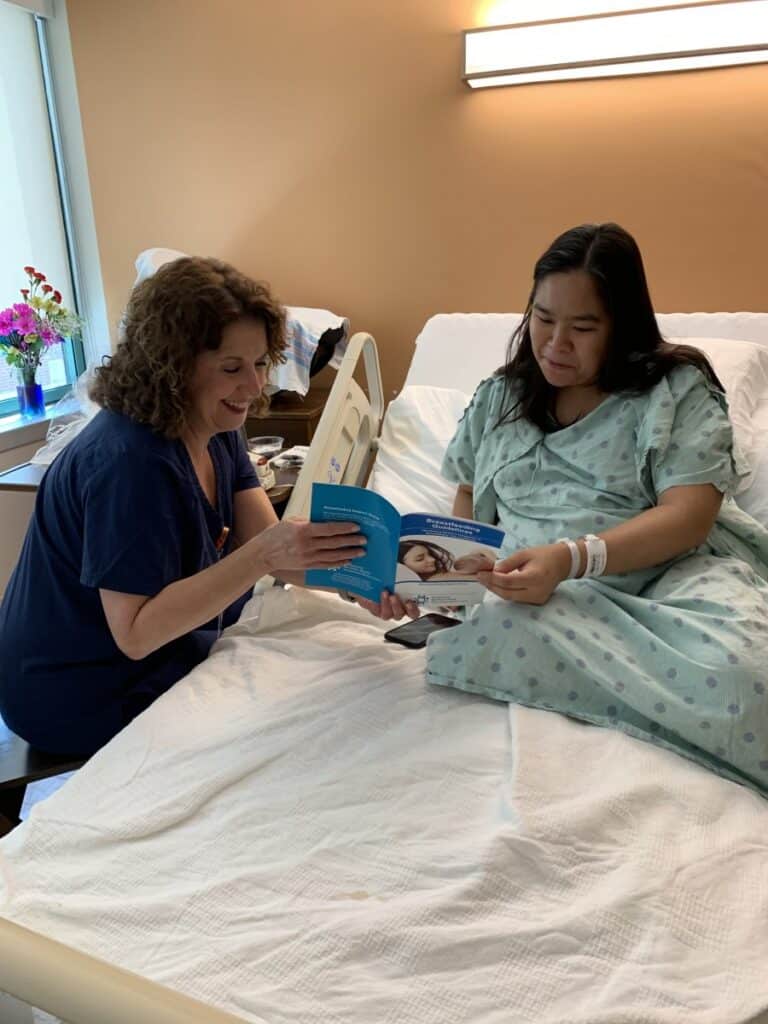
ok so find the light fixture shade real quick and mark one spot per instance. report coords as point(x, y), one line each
point(728, 32)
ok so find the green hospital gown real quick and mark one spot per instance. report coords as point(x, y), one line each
point(676, 653)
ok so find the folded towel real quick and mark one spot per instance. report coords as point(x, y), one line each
point(305, 328)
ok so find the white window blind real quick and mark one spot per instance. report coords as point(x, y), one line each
point(31, 225)
point(44, 8)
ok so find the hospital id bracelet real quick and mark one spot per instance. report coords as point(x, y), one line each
point(597, 556)
point(575, 557)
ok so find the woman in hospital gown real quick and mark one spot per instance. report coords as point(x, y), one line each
point(596, 426)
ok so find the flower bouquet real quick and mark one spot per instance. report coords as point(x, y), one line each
point(28, 329)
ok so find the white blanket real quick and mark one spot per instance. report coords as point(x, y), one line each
point(327, 839)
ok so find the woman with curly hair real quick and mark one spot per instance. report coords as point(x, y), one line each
point(150, 528)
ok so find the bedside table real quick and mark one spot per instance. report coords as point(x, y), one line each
point(281, 492)
point(290, 416)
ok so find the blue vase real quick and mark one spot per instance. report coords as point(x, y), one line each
point(31, 399)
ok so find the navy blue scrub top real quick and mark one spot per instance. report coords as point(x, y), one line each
point(121, 508)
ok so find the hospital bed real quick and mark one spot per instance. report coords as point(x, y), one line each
point(302, 830)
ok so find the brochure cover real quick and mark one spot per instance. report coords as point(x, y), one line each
point(429, 559)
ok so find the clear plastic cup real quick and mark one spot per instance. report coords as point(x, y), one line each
point(269, 445)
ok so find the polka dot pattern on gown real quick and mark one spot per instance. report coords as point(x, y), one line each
point(669, 653)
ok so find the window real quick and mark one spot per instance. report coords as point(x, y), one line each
point(33, 192)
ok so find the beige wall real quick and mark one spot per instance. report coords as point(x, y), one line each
point(332, 149)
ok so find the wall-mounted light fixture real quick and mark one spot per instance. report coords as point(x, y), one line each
point(637, 42)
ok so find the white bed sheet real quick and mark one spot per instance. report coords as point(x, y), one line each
point(341, 843)
point(303, 831)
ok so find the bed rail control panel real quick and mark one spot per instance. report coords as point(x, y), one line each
point(346, 438)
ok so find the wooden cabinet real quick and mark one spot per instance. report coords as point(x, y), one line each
point(290, 416)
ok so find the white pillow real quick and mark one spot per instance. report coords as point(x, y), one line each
point(417, 428)
point(754, 499)
point(742, 367)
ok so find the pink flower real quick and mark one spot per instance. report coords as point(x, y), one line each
point(49, 336)
point(29, 328)
point(25, 319)
point(6, 322)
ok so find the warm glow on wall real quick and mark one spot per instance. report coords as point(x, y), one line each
point(594, 43)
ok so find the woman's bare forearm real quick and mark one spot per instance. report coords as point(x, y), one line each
point(141, 625)
point(661, 533)
point(462, 503)
point(184, 605)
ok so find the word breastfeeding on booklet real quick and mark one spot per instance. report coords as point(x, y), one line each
point(422, 557)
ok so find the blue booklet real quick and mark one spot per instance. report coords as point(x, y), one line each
point(426, 558)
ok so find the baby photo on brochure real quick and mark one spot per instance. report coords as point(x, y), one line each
point(426, 568)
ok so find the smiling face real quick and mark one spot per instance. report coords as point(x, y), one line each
point(228, 379)
point(570, 330)
point(420, 561)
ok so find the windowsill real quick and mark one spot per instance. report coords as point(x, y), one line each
point(16, 432)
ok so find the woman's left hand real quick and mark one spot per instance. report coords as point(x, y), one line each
point(389, 607)
point(530, 575)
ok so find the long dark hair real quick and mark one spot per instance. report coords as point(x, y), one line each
point(443, 559)
point(637, 357)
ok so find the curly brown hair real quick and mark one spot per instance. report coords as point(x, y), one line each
point(173, 316)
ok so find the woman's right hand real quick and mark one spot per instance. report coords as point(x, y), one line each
point(530, 575)
point(299, 544)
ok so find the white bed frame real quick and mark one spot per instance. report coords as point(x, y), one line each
point(84, 990)
point(344, 444)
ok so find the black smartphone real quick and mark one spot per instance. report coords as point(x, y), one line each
point(415, 632)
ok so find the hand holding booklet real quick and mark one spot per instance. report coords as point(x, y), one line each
point(429, 559)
